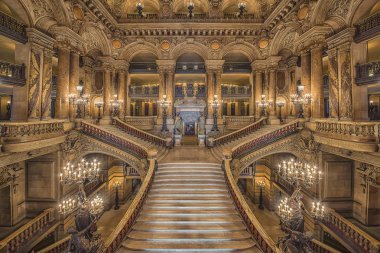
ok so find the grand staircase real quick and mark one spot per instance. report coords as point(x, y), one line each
point(189, 209)
point(218, 150)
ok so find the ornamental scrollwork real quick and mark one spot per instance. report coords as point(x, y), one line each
point(369, 174)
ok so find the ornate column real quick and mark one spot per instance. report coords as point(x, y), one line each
point(306, 77)
point(127, 99)
point(88, 77)
point(317, 104)
point(272, 93)
point(292, 63)
point(166, 70)
point(62, 98)
point(258, 91)
point(251, 104)
point(214, 70)
point(333, 83)
point(345, 82)
point(107, 93)
point(121, 91)
point(40, 75)
point(210, 92)
point(74, 79)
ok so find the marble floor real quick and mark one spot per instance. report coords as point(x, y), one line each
point(189, 154)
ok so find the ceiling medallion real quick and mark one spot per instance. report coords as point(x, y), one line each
point(117, 44)
point(215, 45)
point(78, 13)
point(165, 45)
point(303, 12)
point(263, 43)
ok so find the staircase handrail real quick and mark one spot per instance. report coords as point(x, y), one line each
point(256, 143)
point(353, 233)
point(117, 236)
point(264, 241)
point(31, 228)
point(122, 143)
point(57, 247)
point(239, 133)
point(320, 247)
point(139, 133)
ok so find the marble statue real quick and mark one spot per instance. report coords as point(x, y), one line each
point(178, 125)
point(201, 125)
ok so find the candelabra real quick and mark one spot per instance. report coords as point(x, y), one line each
point(96, 205)
point(284, 210)
point(280, 104)
point(318, 210)
point(261, 199)
point(301, 100)
point(263, 104)
point(116, 186)
point(164, 103)
point(140, 7)
point(67, 206)
point(9, 107)
point(190, 7)
point(215, 105)
point(241, 6)
point(98, 105)
point(79, 100)
point(115, 105)
point(85, 171)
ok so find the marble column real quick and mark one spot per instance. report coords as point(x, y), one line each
point(333, 83)
point(46, 84)
point(210, 92)
point(34, 85)
point(345, 84)
point(170, 91)
point(161, 90)
point(62, 98)
point(218, 90)
point(251, 104)
point(272, 93)
point(121, 92)
point(107, 93)
point(292, 63)
point(306, 78)
point(258, 91)
point(317, 105)
point(74, 79)
point(127, 99)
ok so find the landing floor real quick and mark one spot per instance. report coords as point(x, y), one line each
point(189, 154)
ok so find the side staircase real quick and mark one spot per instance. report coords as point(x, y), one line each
point(189, 209)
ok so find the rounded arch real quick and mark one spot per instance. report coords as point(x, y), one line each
point(186, 47)
point(231, 6)
point(17, 10)
point(283, 40)
point(48, 13)
point(200, 6)
point(94, 38)
point(130, 51)
point(363, 9)
point(150, 6)
point(249, 50)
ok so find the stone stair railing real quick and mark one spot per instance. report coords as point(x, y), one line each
point(351, 234)
point(116, 141)
point(141, 134)
point(57, 247)
point(20, 237)
point(236, 134)
point(113, 242)
point(266, 139)
point(319, 247)
point(237, 122)
point(141, 122)
point(14, 132)
point(264, 241)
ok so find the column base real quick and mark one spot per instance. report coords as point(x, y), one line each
point(106, 120)
point(273, 120)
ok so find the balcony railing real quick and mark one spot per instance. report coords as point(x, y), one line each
point(368, 73)
point(368, 28)
point(12, 73)
point(266, 139)
point(11, 28)
point(143, 67)
point(17, 239)
point(237, 67)
point(353, 235)
point(115, 239)
point(12, 132)
point(143, 91)
point(190, 67)
point(237, 122)
point(239, 133)
point(229, 91)
point(145, 123)
point(201, 91)
point(139, 133)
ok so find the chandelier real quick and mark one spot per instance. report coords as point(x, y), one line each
point(318, 210)
point(298, 172)
point(300, 99)
point(263, 104)
point(85, 171)
point(284, 210)
point(67, 206)
point(96, 205)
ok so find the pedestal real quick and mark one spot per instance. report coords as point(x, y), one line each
point(177, 140)
point(201, 140)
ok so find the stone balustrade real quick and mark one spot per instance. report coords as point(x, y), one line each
point(368, 73)
point(116, 141)
point(237, 122)
point(113, 242)
point(237, 134)
point(18, 238)
point(319, 247)
point(12, 73)
point(13, 132)
point(352, 234)
point(57, 247)
point(263, 240)
point(141, 134)
point(368, 28)
point(247, 172)
point(12, 28)
point(145, 123)
point(266, 139)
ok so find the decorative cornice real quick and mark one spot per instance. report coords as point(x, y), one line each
point(40, 39)
point(270, 62)
point(314, 36)
point(344, 37)
point(166, 65)
point(66, 37)
point(214, 65)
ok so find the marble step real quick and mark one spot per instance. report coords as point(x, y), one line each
point(185, 195)
point(222, 227)
point(184, 218)
point(187, 171)
point(188, 208)
point(192, 180)
point(204, 190)
point(187, 236)
point(176, 212)
point(188, 184)
point(215, 246)
point(189, 165)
